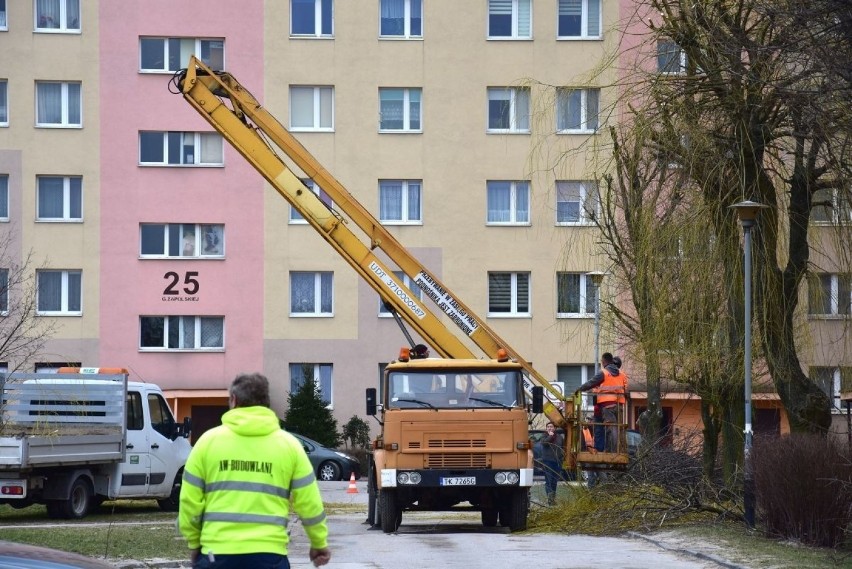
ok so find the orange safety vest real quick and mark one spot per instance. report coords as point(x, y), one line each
point(612, 389)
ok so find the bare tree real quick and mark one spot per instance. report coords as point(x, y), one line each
point(22, 334)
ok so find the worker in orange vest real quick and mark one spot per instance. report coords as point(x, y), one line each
point(610, 387)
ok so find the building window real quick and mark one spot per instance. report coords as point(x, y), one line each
point(311, 294)
point(572, 376)
point(399, 110)
point(577, 110)
point(829, 294)
point(575, 295)
point(508, 203)
point(157, 148)
point(406, 281)
point(576, 202)
point(831, 205)
point(401, 18)
point(167, 55)
point(59, 293)
point(508, 294)
point(59, 198)
point(58, 104)
point(670, 57)
point(57, 15)
point(4, 102)
point(832, 381)
point(399, 201)
point(295, 216)
point(312, 108)
point(579, 19)
point(4, 291)
point(508, 109)
point(312, 18)
point(510, 19)
point(319, 374)
point(3, 24)
point(181, 240)
point(4, 197)
point(185, 333)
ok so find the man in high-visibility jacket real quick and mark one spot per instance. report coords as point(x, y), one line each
point(239, 482)
point(610, 387)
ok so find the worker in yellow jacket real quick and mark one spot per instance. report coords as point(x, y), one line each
point(239, 482)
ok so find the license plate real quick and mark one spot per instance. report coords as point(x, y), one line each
point(459, 481)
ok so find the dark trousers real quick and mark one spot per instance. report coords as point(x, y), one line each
point(243, 561)
point(599, 431)
point(552, 475)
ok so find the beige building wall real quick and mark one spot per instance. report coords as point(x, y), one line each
point(454, 64)
point(30, 56)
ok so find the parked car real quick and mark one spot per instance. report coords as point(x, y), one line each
point(330, 464)
point(21, 556)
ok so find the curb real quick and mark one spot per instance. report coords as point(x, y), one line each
point(691, 552)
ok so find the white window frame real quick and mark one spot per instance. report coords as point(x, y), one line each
point(406, 109)
point(518, 190)
point(840, 202)
point(198, 139)
point(407, 189)
point(587, 371)
point(516, 6)
point(65, 301)
point(514, 311)
point(4, 102)
point(408, 12)
point(193, 241)
point(670, 46)
point(4, 24)
point(588, 199)
point(415, 291)
point(833, 291)
point(67, 196)
point(318, 17)
point(183, 323)
point(519, 119)
point(836, 384)
point(4, 292)
point(199, 47)
point(4, 197)
point(586, 304)
point(317, 371)
point(65, 102)
point(563, 105)
point(585, 19)
point(40, 20)
point(316, 310)
point(317, 110)
point(296, 218)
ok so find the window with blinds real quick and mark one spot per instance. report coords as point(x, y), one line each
point(508, 294)
point(510, 19)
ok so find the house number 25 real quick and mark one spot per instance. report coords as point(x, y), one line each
point(189, 280)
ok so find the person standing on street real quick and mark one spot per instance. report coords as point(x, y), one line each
point(239, 482)
point(551, 457)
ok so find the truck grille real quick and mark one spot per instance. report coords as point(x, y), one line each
point(460, 460)
point(456, 443)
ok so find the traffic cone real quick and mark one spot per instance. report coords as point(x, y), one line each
point(352, 488)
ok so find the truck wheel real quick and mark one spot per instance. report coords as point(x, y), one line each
point(489, 517)
point(515, 515)
point(76, 506)
point(391, 512)
point(371, 501)
point(171, 503)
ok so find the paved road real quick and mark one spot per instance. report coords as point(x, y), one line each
point(429, 539)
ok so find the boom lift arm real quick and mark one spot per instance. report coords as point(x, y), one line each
point(247, 125)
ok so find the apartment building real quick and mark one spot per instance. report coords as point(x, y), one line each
point(161, 250)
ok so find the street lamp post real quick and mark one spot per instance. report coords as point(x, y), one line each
point(597, 278)
point(747, 212)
